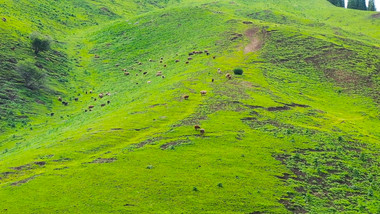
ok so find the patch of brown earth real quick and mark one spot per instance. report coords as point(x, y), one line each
point(104, 160)
point(256, 38)
point(17, 183)
point(173, 143)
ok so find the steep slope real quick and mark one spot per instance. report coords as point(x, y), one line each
point(297, 132)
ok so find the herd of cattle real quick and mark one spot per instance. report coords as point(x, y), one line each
point(158, 74)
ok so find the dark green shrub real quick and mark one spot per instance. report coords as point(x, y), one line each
point(40, 42)
point(238, 71)
point(30, 75)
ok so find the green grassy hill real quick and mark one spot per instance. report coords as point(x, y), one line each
point(298, 132)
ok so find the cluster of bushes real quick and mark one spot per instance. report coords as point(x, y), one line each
point(31, 76)
point(355, 4)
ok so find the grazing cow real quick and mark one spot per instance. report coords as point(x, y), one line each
point(108, 102)
point(145, 72)
point(4, 19)
point(149, 81)
point(101, 95)
point(124, 69)
point(187, 62)
point(189, 58)
point(212, 80)
point(95, 99)
point(140, 63)
point(190, 54)
point(202, 131)
point(90, 91)
point(159, 74)
point(65, 103)
point(164, 66)
point(137, 83)
point(76, 98)
point(200, 52)
point(162, 58)
point(137, 75)
point(207, 54)
point(86, 92)
point(117, 65)
point(85, 110)
point(186, 97)
point(108, 94)
point(177, 60)
point(197, 127)
point(52, 114)
point(126, 73)
point(97, 56)
point(90, 107)
point(214, 57)
point(150, 60)
point(60, 99)
point(102, 105)
point(228, 76)
point(203, 92)
point(206, 51)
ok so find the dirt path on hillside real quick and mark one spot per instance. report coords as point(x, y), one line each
point(256, 42)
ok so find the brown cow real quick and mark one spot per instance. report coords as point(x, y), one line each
point(196, 127)
point(214, 57)
point(90, 107)
point(203, 92)
point(159, 74)
point(102, 105)
point(187, 62)
point(186, 97)
point(124, 69)
point(101, 95)
point(126, 73)
point(164, 66)
point(228, 76)
point(202, 131)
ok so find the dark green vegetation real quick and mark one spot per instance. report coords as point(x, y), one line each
point(371, 5)
point(297, 132)
point(357, 4)
point(338, 3)
point(238, 71)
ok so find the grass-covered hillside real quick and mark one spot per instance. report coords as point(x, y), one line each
point(297, 132)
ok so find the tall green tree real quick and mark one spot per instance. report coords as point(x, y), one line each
point(371, 5)
point(353, 4)
point(40, 42)
point(340, 3)
point(362, 5)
